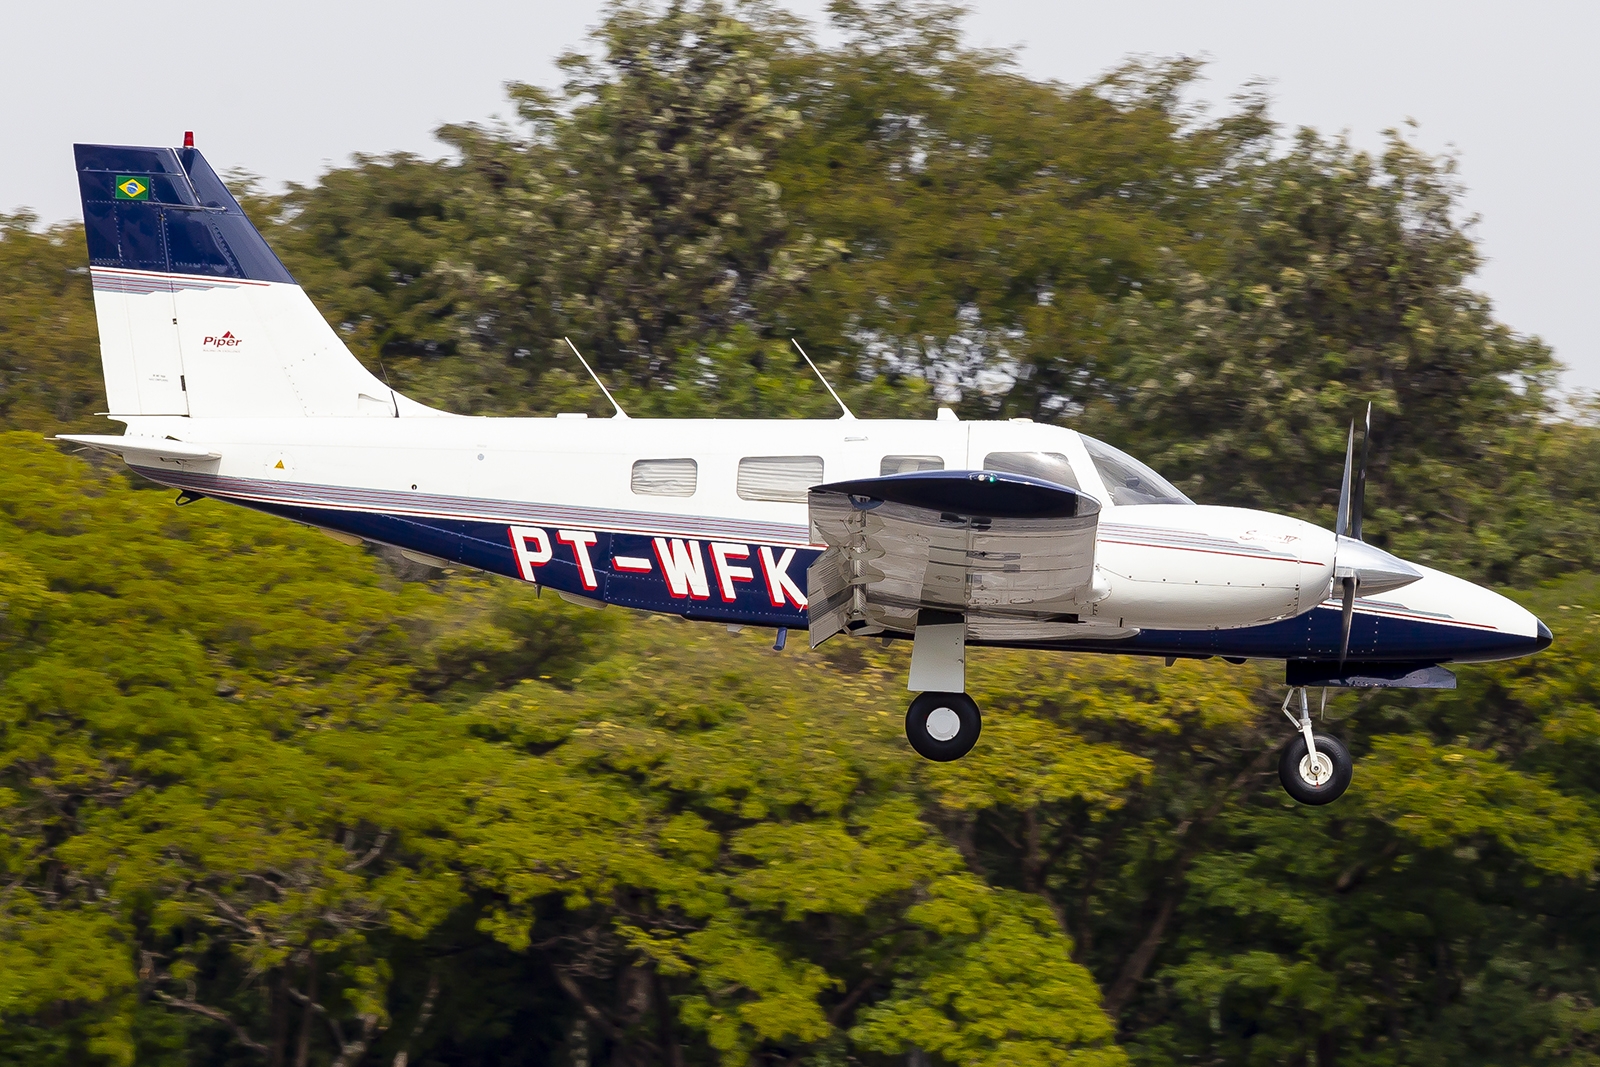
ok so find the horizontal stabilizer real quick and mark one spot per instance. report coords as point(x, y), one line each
point(145, 451)
point(1356, 675)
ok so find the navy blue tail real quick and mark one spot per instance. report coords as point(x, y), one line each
point(165, 209)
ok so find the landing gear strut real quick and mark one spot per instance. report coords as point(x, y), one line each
point(1314, 768)
point(943, 722)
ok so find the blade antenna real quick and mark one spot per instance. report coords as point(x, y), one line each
point(1361, 478)
point(847, 412)
point(620, 413)
point(393, 398)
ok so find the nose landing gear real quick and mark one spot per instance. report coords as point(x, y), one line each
point(1314, 768)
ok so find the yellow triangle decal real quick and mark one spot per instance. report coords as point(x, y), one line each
point(278, 465)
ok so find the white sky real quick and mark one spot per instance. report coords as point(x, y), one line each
point(289, 89)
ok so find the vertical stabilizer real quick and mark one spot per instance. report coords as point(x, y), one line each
point(197, 315)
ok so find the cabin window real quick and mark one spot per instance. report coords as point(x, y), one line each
point(665, 477)
point(910, 464)
point(1045, 466)
point(1127, 480)
point(785, 478)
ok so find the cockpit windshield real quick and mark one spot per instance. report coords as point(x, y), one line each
point(1127, 480)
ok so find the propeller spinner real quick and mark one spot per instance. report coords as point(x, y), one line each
point(1358, 565)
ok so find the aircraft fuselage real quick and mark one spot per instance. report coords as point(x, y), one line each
point(561, 502)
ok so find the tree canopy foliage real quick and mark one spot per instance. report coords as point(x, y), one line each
point(269, 799)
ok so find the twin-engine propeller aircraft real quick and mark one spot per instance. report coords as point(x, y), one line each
point(944, 533)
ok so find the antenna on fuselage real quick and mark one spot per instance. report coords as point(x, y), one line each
point(620, 413)
point(847, 412)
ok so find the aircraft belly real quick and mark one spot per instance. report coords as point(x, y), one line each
point(724, 574)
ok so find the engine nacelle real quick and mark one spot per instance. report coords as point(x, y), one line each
point(1173, 566)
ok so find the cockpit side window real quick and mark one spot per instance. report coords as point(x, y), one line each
point(1127, 480)
point(1046, 466)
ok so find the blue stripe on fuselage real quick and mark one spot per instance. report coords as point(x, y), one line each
point(1315, 636)
point(486, 546)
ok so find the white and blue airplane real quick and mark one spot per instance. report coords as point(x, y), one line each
point(941, 532)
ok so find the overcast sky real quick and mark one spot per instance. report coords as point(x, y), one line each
point(289, 89)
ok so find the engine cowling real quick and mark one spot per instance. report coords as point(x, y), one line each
point(1202, 567)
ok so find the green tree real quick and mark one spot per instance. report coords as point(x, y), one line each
point(377, 244)
point(203, 763)
point(989, 220)
point(49, 350)
point(234, 818)
point(738, 855)
point(269, 799)
point(1347, 284)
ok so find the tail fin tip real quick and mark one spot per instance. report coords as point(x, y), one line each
point(165, 210)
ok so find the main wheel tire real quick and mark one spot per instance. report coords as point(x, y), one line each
point(1323, 783)
point(943, 726)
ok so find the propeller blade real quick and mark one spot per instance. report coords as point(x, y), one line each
point(1346, 616)
point(1360, 493)
point(1352, 494)
point(1341, 525)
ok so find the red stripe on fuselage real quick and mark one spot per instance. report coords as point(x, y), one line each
point(1211, 552)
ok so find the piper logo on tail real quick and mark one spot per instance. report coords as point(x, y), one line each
point(227, 340)
point(132, 188)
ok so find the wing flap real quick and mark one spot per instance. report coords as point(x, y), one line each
point(961, 541)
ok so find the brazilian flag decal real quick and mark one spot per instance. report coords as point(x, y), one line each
point(132, 187)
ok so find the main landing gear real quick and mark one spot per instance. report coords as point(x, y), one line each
point(1314, 768)
point(943, 723)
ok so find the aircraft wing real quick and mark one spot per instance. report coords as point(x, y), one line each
point(998, 549)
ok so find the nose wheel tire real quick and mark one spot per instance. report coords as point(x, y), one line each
point(943, 726)
point(1319, 781)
